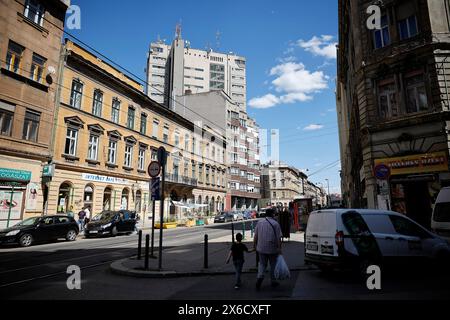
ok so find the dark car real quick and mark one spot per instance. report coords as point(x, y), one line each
point(224, 217)
point(111, 223)
point(40, 229)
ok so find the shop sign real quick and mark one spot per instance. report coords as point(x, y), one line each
point(418, 163)
point(105, 179)
point(14, 175)
point(48, 170)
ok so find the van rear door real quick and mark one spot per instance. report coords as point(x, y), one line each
point(320, 233)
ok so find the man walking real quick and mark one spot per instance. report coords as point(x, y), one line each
point(267, 242)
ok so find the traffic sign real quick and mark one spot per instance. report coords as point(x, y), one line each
point(382, 171)
point(154, 168)
point(155, 189)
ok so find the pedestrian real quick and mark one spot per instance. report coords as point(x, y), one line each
point(267, 242)
point(237, 252)
point(81, 216)
point(284, 219)
point(87, 217)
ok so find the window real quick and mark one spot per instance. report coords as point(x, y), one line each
point(128, 155)
point(93, 147)
point(76, 93)
point(31, 125)
point(14, 56)
point(382, 37)
point(186, 168)
point(186, 142)
point(115, 110)
point(407, 28)
point(193, 145)
point(274, 194)
point(34, 11)
point(166, 134)
point(177, 139)
point(193, 170)
point(6, 119)
point(388, 101)
point(407, 228)
point(112, 151)
point(143, 128)
point(200, 173)
point(97, 103)
point(141, 158)
point(416, 95)
point(37, 67)
point(207, 174)
point(71, 142)
point(155, 128)
point(130, 118)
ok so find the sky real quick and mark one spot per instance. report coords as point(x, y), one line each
point(289, 46)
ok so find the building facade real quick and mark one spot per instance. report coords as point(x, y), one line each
point(217, 109)
point(393, 105)
point(176, 69)
point(30, 43)
point(282, 183)
point(107, 133)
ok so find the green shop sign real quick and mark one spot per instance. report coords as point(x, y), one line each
point(14, 175)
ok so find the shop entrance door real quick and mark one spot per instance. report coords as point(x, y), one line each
point(418, 202)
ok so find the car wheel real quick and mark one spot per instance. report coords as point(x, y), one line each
point(26, 240)
point(114, 231)
point(71, 235)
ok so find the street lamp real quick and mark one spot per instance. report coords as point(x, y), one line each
point(328, 187)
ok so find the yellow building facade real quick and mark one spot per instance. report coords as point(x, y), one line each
point(107, 131)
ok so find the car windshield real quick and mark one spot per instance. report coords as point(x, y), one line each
point(28, 222)
point(103, 216)
point(442, 212)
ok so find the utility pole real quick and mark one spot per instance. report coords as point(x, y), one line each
point(328, 196)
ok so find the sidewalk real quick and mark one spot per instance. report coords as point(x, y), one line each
point(188, 260)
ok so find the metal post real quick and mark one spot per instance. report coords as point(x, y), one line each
point(10, 206)
point(161, 214)
point(205, 261)
point(243, 230)
point(139, 245)
point(232, 232)
point(153, 226)
point(147, 240)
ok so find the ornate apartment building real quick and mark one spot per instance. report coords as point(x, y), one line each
point(108, 131)
point(30, 45)
point(393, 105)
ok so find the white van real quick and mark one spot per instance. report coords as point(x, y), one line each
point(440, 220)
point(341, 238)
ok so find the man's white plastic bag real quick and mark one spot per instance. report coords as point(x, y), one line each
point(281, 271)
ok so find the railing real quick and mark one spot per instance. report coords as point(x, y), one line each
point(176, 178)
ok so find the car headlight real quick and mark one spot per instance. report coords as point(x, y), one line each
point(107, 225)
point(12, 233)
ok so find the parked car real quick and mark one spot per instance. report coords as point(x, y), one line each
point(440, 219)
point(111, 223)
point(247, 215)
point(223, 217)
point(40, 229)
point(341, 238)
point(239, 216)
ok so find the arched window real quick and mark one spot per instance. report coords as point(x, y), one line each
point(124, 199)
point(64, 194)
point(88, 197)
point(107, 198)
point(138, 201)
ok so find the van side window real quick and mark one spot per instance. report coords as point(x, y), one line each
point(442, 212)
point(408, 228)
point(355, 224)
point(379, 223)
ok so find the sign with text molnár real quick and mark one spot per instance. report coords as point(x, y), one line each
point(14, 175)
point(417, 163)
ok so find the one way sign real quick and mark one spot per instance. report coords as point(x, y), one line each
point(155, 188)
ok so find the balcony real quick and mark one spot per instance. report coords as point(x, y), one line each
point(176, 178)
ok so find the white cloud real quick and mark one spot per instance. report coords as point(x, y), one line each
point(313, 127)
point(294, 83)
point(266, 101)
point(320, 46)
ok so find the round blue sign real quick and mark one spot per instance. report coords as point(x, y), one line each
point(382, 171)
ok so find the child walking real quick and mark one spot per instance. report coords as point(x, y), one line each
point(237, 252)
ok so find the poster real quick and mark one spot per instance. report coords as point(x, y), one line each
point(32, 196)
point(15, 205)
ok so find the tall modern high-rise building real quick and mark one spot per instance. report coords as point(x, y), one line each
point(177, 69)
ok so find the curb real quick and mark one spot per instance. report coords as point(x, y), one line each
point(117, 268)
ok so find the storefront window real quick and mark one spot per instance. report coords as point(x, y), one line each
point(107, 199)
point(64, 195)
point(124, 199)
point(88, 196)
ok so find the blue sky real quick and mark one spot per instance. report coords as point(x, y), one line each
point(289, 46)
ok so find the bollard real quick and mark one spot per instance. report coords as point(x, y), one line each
point(232, 232)
point(139, 245)
point(243, 230)
point(147, 243)
point(205, 261)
